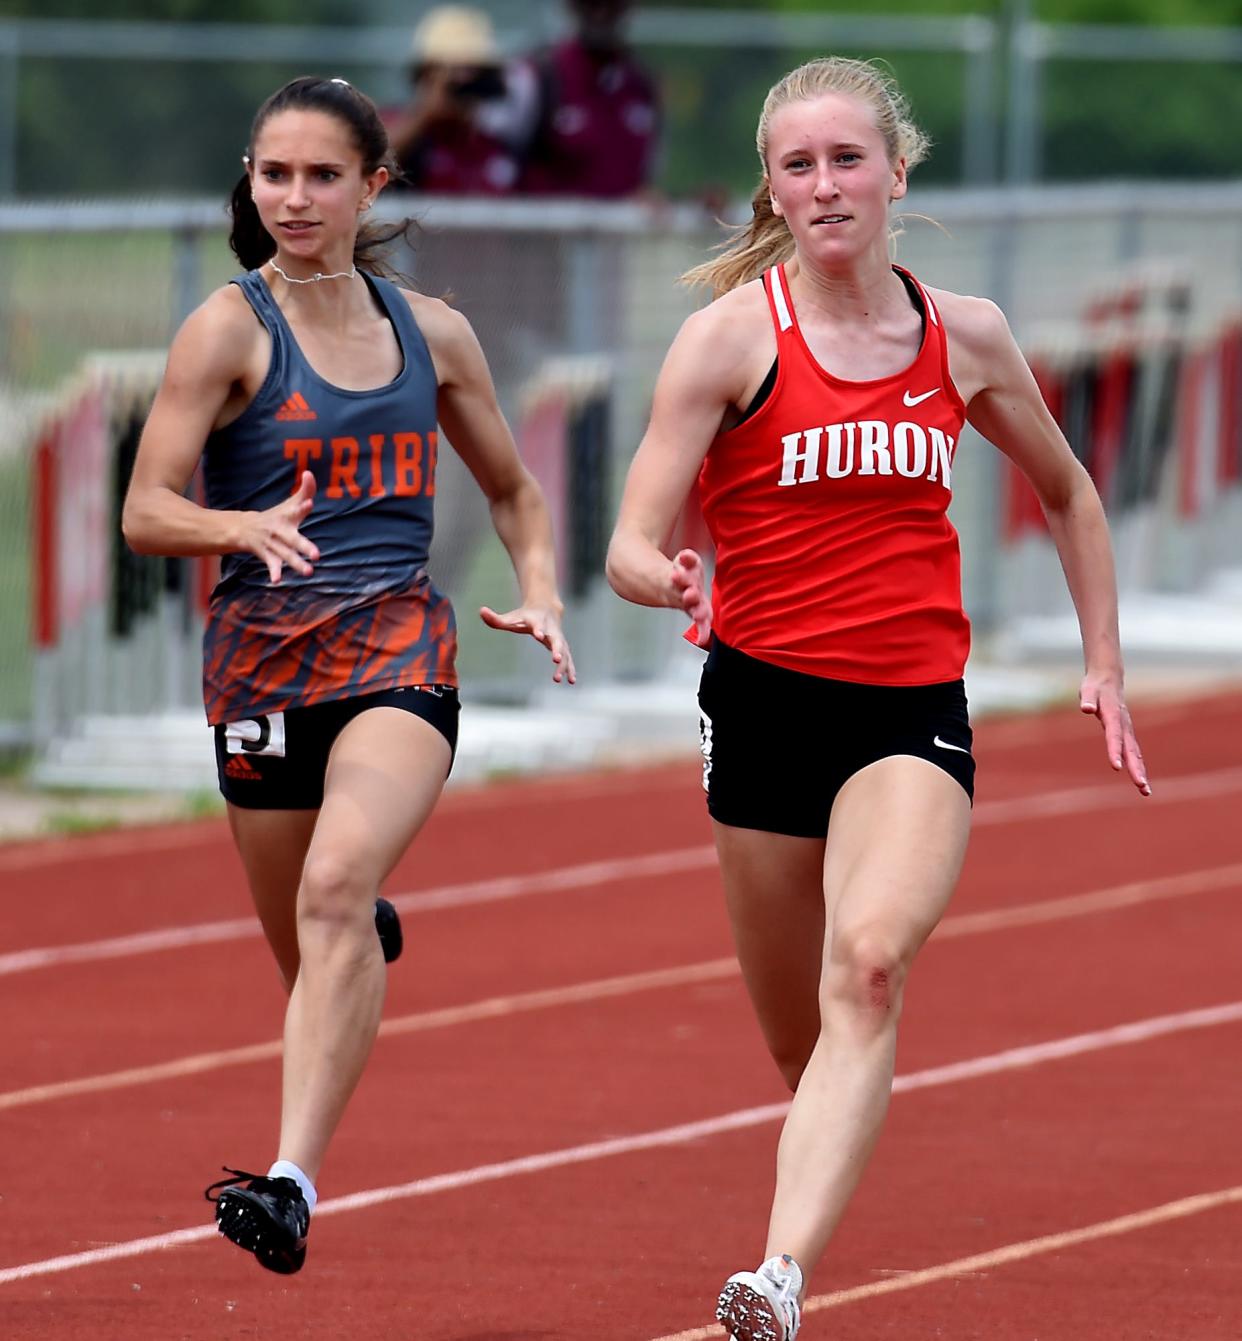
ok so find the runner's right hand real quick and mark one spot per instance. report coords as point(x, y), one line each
point(690, 586)
point(274, 537)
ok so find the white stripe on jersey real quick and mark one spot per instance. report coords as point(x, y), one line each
point(778, 297)
point(931, 307)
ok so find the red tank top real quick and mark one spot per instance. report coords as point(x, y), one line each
point(827, 507)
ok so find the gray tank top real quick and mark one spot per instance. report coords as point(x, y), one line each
point(368, 618)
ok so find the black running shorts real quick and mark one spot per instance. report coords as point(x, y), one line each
point(278, 761)
point(778, 745)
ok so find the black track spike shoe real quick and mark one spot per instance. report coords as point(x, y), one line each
point(388, 928)
point(267, 1216)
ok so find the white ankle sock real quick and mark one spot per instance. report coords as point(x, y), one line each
point(284, 1168)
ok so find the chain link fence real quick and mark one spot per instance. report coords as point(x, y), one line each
point(575, 305)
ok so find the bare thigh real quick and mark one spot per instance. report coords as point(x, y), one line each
point(774, 894)
point(804, 912)
point(896, 841)
point(386, 771)
point(273, 845)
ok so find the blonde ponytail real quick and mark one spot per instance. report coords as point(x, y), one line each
point(754, 247)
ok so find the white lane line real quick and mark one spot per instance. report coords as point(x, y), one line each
point(1065, 727)
point(996, 1257)
point(587, 875)
point(1115, 795)
point(140, 840)
point(591, 875)
point(1093, 901)
point(488, 1009)
point(1012, 1059)
point(964, 924)
point(118, 947)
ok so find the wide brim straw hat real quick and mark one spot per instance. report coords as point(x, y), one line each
point(455, 35)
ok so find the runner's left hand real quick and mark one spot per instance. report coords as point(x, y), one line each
point(544, 625)
point(1101, 696)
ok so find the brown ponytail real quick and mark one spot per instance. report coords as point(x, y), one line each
point(251, 243)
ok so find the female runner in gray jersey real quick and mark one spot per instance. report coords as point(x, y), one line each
point(312, 390)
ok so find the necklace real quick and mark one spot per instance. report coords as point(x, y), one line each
point(314, 279)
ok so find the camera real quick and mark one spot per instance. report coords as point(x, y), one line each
point(480, 85)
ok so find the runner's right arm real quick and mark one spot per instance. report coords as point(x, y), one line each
point(703, 373)
point(207, 366)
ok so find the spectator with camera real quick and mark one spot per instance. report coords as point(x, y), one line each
point(451, 137)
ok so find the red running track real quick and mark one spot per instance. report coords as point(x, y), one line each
point(568, 1125)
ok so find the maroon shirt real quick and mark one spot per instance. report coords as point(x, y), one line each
point(460, 160)
point(597, 131)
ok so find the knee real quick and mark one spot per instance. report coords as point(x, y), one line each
point(865, 977)
point(333, 898)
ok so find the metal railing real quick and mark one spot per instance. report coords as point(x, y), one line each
point(575, 305)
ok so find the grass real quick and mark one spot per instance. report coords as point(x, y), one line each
point(66, 296)
point(14, 765)
point(202, 804)
point(70, 823)
point(16, 659)
point(73, 811)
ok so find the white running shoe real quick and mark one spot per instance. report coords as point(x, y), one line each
point(762, 1305)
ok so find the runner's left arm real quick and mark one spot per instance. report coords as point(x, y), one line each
point(1009, 410)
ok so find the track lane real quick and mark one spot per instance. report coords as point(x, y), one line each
point(66, 890)
point(1185, 792)
point(679, 1217)
point(1192, 884)
point(83, 1022)
point(960, 992)
point(670, 1056)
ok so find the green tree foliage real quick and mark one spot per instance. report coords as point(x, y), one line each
point(1102, 119)
point(1165, 13)
point(1226, 13)
point(1141, 120)
point(713, 100)
point(99, 127)
point(118, 127)
point(184, 11)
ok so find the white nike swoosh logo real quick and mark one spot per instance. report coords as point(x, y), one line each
point(908, 399)
point(944, 745)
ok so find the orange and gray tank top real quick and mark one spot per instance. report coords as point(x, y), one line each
point(368, 618)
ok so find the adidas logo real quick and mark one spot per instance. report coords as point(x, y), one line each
point(296, 408)
point(239, 766)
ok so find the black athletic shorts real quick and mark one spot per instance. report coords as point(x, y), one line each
point(778, 745)
point(278, 761)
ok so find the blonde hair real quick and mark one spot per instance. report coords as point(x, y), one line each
point(766, 240)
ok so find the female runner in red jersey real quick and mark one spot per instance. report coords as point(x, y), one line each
point(818, 402)
point(311, 388)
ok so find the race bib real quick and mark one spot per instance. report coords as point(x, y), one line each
point(257, 735)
